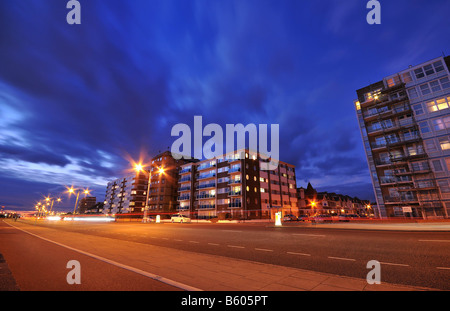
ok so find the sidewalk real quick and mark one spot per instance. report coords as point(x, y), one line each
point(7, 282)
point(207, 272)
point(431, 226)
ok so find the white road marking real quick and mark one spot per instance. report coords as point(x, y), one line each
point(264, 249)
point(340, 258)
point(194, 242)
point(231, 230)
point(300, 254)
point(236, 246)
point(305, 234)
point(394, 264)
point(443, 268)
point(213, 244)
point(434, 241)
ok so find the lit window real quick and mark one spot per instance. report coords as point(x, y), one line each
point(445, 143)
point(406, 77)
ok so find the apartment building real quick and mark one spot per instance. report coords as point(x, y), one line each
point(405, 126)
point(164, 183)
point(126, 195)
point(235, 187)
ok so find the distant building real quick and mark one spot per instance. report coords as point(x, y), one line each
point(405, 127)
point(126, 195)
point(85, 204)
point(311, 202)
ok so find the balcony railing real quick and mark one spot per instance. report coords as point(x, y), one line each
point(395, 141)
point(204, 176)
point(234, 193)
point(235, 204)
point(206, 206)
point(205, 166)
point(184, 178)
point(393, 179)
point(234, 181)
point(208, 185)
point(184, 197)
point(234, 169)
point(205, 196)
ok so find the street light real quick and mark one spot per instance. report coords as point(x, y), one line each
point(71, 191)
point(139, 168)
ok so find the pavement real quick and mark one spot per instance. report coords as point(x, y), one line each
point(409, 226)
point(195, 271)
point(7, 281)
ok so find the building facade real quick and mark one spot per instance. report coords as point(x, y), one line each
point(86, 204)
point(312, 202)
point(164, 183)
point(235, 186)
point(126, 195)
point(405, 126)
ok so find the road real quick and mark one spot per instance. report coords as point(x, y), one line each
point(408, 258)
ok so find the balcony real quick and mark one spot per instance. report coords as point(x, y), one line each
point(234, 170)
point(184, 197)
point(206, 195)
point(393, 126)
point(206, 206)
point(234, 181)
point(184, 178)
point(208, 185)
point(185, 170)
point(394, 180)
point(396, 142)
point(234, 204)
point(234, 193)
point(185, 188)
point(205, 166)
point(205, 176)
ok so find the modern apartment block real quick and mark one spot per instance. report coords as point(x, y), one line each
point(126, 195)
point(405, 126)
point(235, 186)
point(164, 185)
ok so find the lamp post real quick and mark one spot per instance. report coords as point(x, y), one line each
point(138, 167)
point(71, 191)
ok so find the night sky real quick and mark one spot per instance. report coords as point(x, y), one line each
point(77, 101)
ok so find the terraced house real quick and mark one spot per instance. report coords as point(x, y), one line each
point(235, 186)
point(405, 126)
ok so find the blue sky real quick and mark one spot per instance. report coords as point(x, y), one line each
point(77, 100)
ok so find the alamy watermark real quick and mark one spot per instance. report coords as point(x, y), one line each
point(213, 148)
point(374, 15)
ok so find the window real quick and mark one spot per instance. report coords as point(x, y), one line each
point(413, 93)
point(425, 89)
point(443, 185)
point(430, 146)
point(444, 143)
point(262, 190)
point(419, 73)
point(424, 128)
point(438, 125)
point(418, 109)
point(428, 70)
point(435, 87)
point(437, 165)
point(407, 77)
point(447, 162)
point(445, 83)
point(438, 66)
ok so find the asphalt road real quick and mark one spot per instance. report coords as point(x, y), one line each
point(409, 258)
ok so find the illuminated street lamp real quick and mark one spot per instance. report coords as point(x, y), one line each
point(139, 168)
point(71, 191)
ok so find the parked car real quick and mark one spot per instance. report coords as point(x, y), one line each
point(303, 218)
point(180, 218)
point(321, 218)
point(289, 217)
